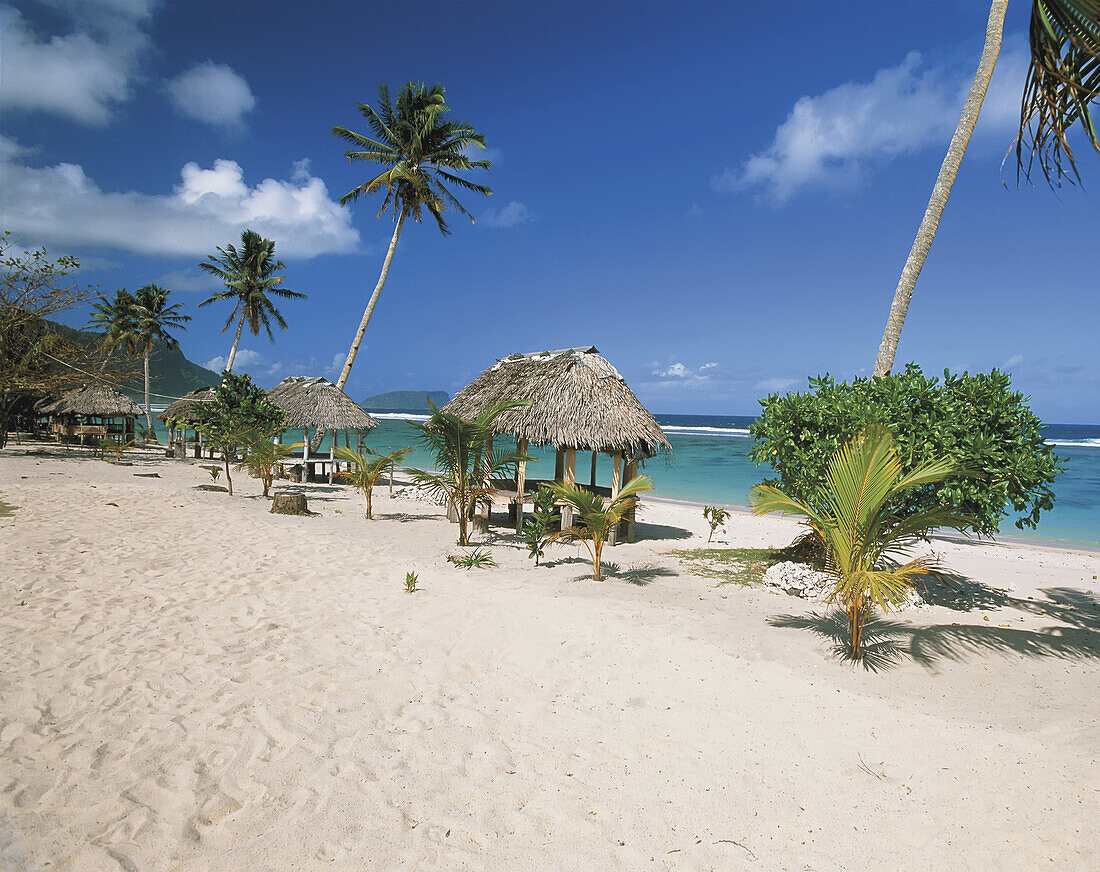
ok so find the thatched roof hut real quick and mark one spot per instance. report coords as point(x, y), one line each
point(95, 401)
point(578, 401)
point(317, 402)
point(186, 404)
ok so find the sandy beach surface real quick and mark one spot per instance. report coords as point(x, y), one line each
point(188, 682)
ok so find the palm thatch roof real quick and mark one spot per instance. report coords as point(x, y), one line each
point(100, 401)
point(578, 400)
point(317, 402)
point(186, 404)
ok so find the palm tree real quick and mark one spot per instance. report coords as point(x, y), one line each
point(367, 468)
point(421, 151)
point(463, 454)
point(595, 518)
point(136, 321)
point(1062, 79)
point(249, 276)
point(859, 526)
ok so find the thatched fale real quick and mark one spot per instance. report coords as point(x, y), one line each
point(578, 401)
point(186, 404)
point(98, 401)
point(317, 402)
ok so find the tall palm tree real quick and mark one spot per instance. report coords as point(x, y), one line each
point(249, 277)
point(114, 318)
point(1062, 79)
point(421, 151)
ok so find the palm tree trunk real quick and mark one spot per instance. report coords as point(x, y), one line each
point(236, 341)
point(371, 304)
point(148, 414)
point(944, 181)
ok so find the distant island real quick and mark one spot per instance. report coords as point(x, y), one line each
point(405, 401)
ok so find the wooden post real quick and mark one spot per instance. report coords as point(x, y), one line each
point(485, 510)
point(593, 479)
point(616, 486)
point(631, 517)
point(305, 456)
point(521, 481)
point(559, 464)
point(332, 458)
point(569, 477)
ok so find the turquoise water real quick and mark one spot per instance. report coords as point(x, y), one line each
point(710, 464)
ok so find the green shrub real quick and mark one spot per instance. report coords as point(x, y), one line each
point(975, 421)
point(536, 528)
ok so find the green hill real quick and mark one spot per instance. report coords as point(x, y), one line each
point(405, 401)
point(170, 372)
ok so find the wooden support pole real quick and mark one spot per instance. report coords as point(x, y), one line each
point(332, 457)
point(521, 481)
point(616, 486)
point(559, 464)
point(485, 510)
point(305, 456)
point(569, 477)
point(593, 478)
point(630, 522)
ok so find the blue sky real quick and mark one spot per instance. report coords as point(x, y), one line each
point(719, 196)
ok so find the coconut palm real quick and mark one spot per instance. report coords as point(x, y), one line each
point(1063, 78)
point(860, 528)
point(249, 277)
point(137, 322)
point(595, 518)
point(263, 457)
point(463, 454)
point(421, 151)
point(367, 468)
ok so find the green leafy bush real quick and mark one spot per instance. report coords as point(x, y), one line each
point(536, 528)
point(976, 421)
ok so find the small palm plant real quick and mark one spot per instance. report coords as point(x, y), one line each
point(462, 451)
point(716, 516)
point(537, 527)
point(263, 457)
point(411, 579)
point(479, 558)
point(596, 518)
point(367, 468)
point(861, 528)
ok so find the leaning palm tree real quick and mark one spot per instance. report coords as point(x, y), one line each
point(860, 528)
point(421, 151)
point(465, 459)
point(596, 519)
point(249, 277)
point(1062, 79)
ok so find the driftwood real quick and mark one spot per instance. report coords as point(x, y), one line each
point(289, 504)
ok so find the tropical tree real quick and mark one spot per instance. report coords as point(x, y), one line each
point(1062, 79)
point(249, 274)
point(137, 322)
point(595, 517)
point(262, 457)
point(463, 454)
point(421, 151)
point(860, 528)
point(367, 468)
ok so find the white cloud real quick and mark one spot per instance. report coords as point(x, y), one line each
point(1015, 360)
point(775, 385)
point(707, 366)
point(338, 361)
point(511, 215)
point(80, 75)
point(831, 139)
point(62, 206)
point(247, 360)
point(676, 370)
point(213, 94)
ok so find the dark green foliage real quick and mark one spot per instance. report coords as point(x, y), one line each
point(240, 413)
point(479, 558)
point(537, 526)
point(977, 421)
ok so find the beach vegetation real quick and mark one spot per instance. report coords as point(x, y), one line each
point(137, 322)
point(1063, 78)
point(250, 277)
point(715, 516)
point(595, 517)
point(367, 468)
point(240, 411)
point(467, 464)
point(741, 566)
point(215, 472)
point(976, 421)
point(421, 151)
point(7, 509)
point(864, 536)
point(537, 526)
point(263, 458)
point(411, 579)
point(479, 558)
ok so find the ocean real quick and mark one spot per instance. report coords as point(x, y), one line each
point(710, 464)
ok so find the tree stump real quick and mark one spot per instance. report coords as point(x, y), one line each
point(289, 504)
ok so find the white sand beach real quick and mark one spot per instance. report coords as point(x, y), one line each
point(189, 682)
